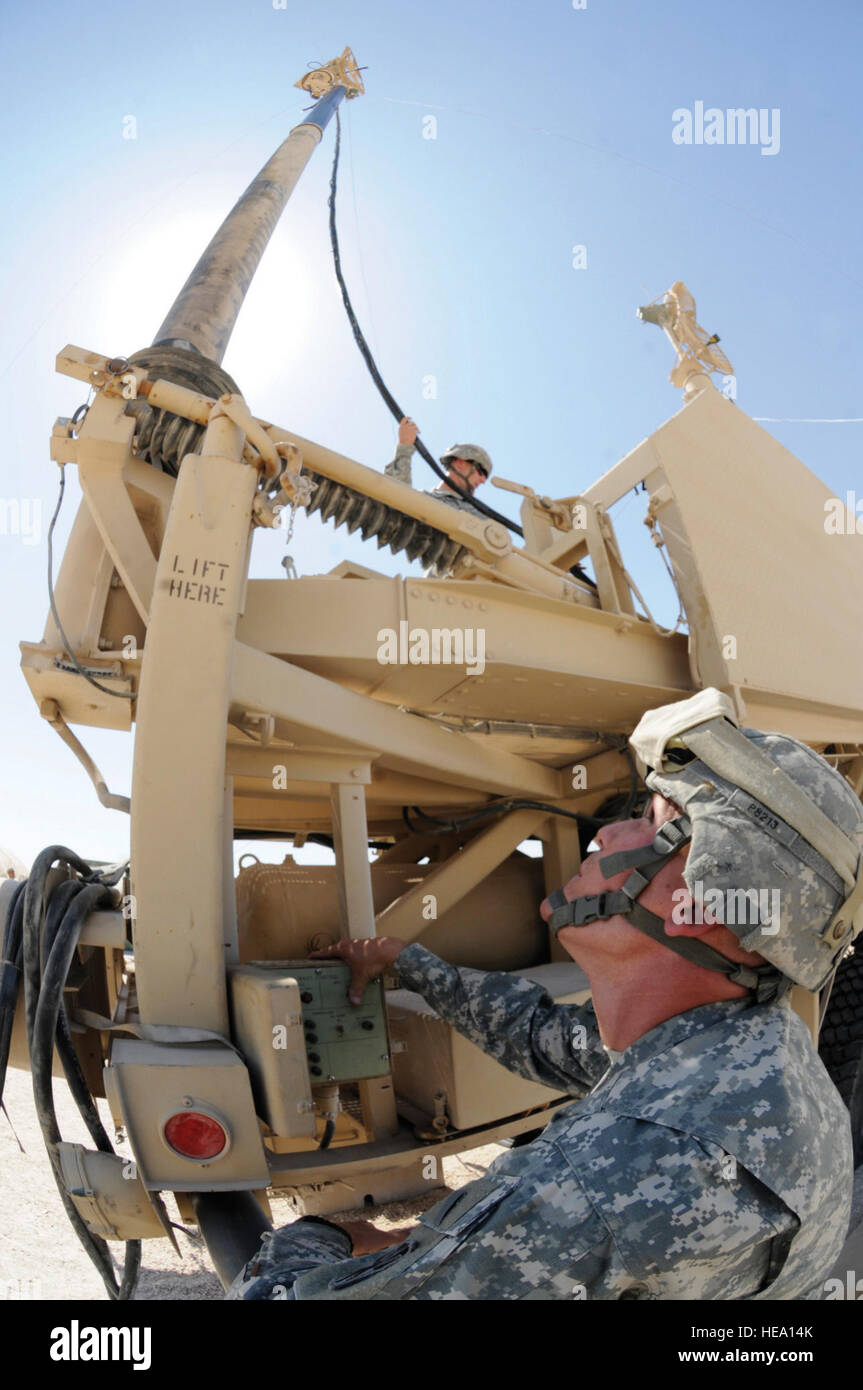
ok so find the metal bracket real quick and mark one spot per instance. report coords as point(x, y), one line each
point(339, 72)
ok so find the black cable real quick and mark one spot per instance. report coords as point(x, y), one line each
point(392, 403)
point(10, 976)
point(40, 1038)
point(120, 694)
point(77, 1083)
point(50, 936)
point(329, 1131)
point(34, 908)
point(49, 1001)
point(57, 906)
point(521, 804)
point(54, 913)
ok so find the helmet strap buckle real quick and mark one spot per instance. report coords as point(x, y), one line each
point(590, 910)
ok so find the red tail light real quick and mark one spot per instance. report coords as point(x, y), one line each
point(195, 1135)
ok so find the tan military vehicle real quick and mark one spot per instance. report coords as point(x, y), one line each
point(426, 728)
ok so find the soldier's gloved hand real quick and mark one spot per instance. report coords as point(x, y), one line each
point(368, 958)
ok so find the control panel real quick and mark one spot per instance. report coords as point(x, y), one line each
point(343, 1041)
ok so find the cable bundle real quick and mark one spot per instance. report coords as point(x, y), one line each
point(43, 927)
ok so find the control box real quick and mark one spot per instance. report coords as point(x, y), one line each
point(326, 1035)
point(344, 1041)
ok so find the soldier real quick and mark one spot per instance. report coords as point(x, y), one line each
point(467, 465)
point(711, 1157)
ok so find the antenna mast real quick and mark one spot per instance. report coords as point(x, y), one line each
point(203, 315)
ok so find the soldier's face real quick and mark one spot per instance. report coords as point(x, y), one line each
point(467, 472)
point(615, 934)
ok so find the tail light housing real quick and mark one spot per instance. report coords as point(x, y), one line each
point(196, 1134)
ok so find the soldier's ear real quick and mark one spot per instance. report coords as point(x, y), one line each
point(690, 917)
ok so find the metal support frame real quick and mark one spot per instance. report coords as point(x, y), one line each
point(456, 876)
point(178, 837)
point(356, 908)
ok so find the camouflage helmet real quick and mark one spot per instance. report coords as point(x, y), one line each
point(771, 823)
point(472, 452)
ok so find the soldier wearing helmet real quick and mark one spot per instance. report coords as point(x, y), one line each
point(709, 1155)
point(467, 467)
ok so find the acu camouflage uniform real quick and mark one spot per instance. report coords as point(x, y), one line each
point(710, 1160)
point(400, 469)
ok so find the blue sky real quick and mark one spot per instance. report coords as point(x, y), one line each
point(553, 129)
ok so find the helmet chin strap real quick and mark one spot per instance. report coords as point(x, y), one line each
point(646, 861)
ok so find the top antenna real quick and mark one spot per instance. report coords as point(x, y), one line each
point(339, 72)
point(697, 353)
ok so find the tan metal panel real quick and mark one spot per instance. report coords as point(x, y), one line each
point(153, 1082)
point(754, 518)
point(275, 687)
point(262, 1001)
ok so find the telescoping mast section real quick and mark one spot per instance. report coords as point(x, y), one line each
point(203, 315)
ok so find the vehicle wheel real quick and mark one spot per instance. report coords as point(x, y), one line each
point(841, 1041)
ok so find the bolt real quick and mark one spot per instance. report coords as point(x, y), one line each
point(495, 536)
point(187, 1100)
point(116, 365)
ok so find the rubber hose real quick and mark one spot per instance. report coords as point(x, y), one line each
point(40, 1036)
point(55, 911)
point(10, 975)
point(34, 895)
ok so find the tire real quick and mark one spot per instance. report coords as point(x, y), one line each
point(841, 1040)
point(518, 1141)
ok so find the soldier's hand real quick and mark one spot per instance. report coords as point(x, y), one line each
point(368, 958)
point(368, 1238)
point(408, 431)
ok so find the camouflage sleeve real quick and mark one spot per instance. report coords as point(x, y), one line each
point(514, 1020)
point(601, 1207)
point(400, 467)
point(286, 1254)
point(504, 1236)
